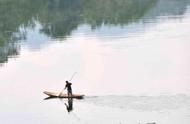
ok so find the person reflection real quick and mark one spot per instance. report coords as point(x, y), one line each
point(69, 106)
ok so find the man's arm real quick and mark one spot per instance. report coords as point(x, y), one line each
point(65, 86)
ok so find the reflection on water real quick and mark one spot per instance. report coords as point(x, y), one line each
point(138, 103)
point(69, 106)
point(141, 109)
point(58, 19)
point(140, 44)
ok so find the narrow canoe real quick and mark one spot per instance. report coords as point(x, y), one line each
point(54, 94)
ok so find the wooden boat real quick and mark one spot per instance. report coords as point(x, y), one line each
point(58, 95)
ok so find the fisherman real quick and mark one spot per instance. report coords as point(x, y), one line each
point(68, 87)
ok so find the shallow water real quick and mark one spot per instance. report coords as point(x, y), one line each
point(131, 58)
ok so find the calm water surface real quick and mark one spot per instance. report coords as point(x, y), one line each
point(131, 58)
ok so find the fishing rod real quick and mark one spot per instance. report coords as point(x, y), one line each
point(72, 76)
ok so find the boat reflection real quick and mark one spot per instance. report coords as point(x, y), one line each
point(50, 97)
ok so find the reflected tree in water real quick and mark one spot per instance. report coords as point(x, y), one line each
point(15, 17)
point(58, 18)
point(61, 17)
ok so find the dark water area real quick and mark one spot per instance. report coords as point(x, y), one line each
point(35, 22)
point(131, 58)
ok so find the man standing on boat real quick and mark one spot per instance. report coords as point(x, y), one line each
point(68, 87)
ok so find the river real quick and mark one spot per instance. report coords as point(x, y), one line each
point(131, 59)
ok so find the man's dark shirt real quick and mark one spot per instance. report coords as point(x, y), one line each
point(68, 86)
